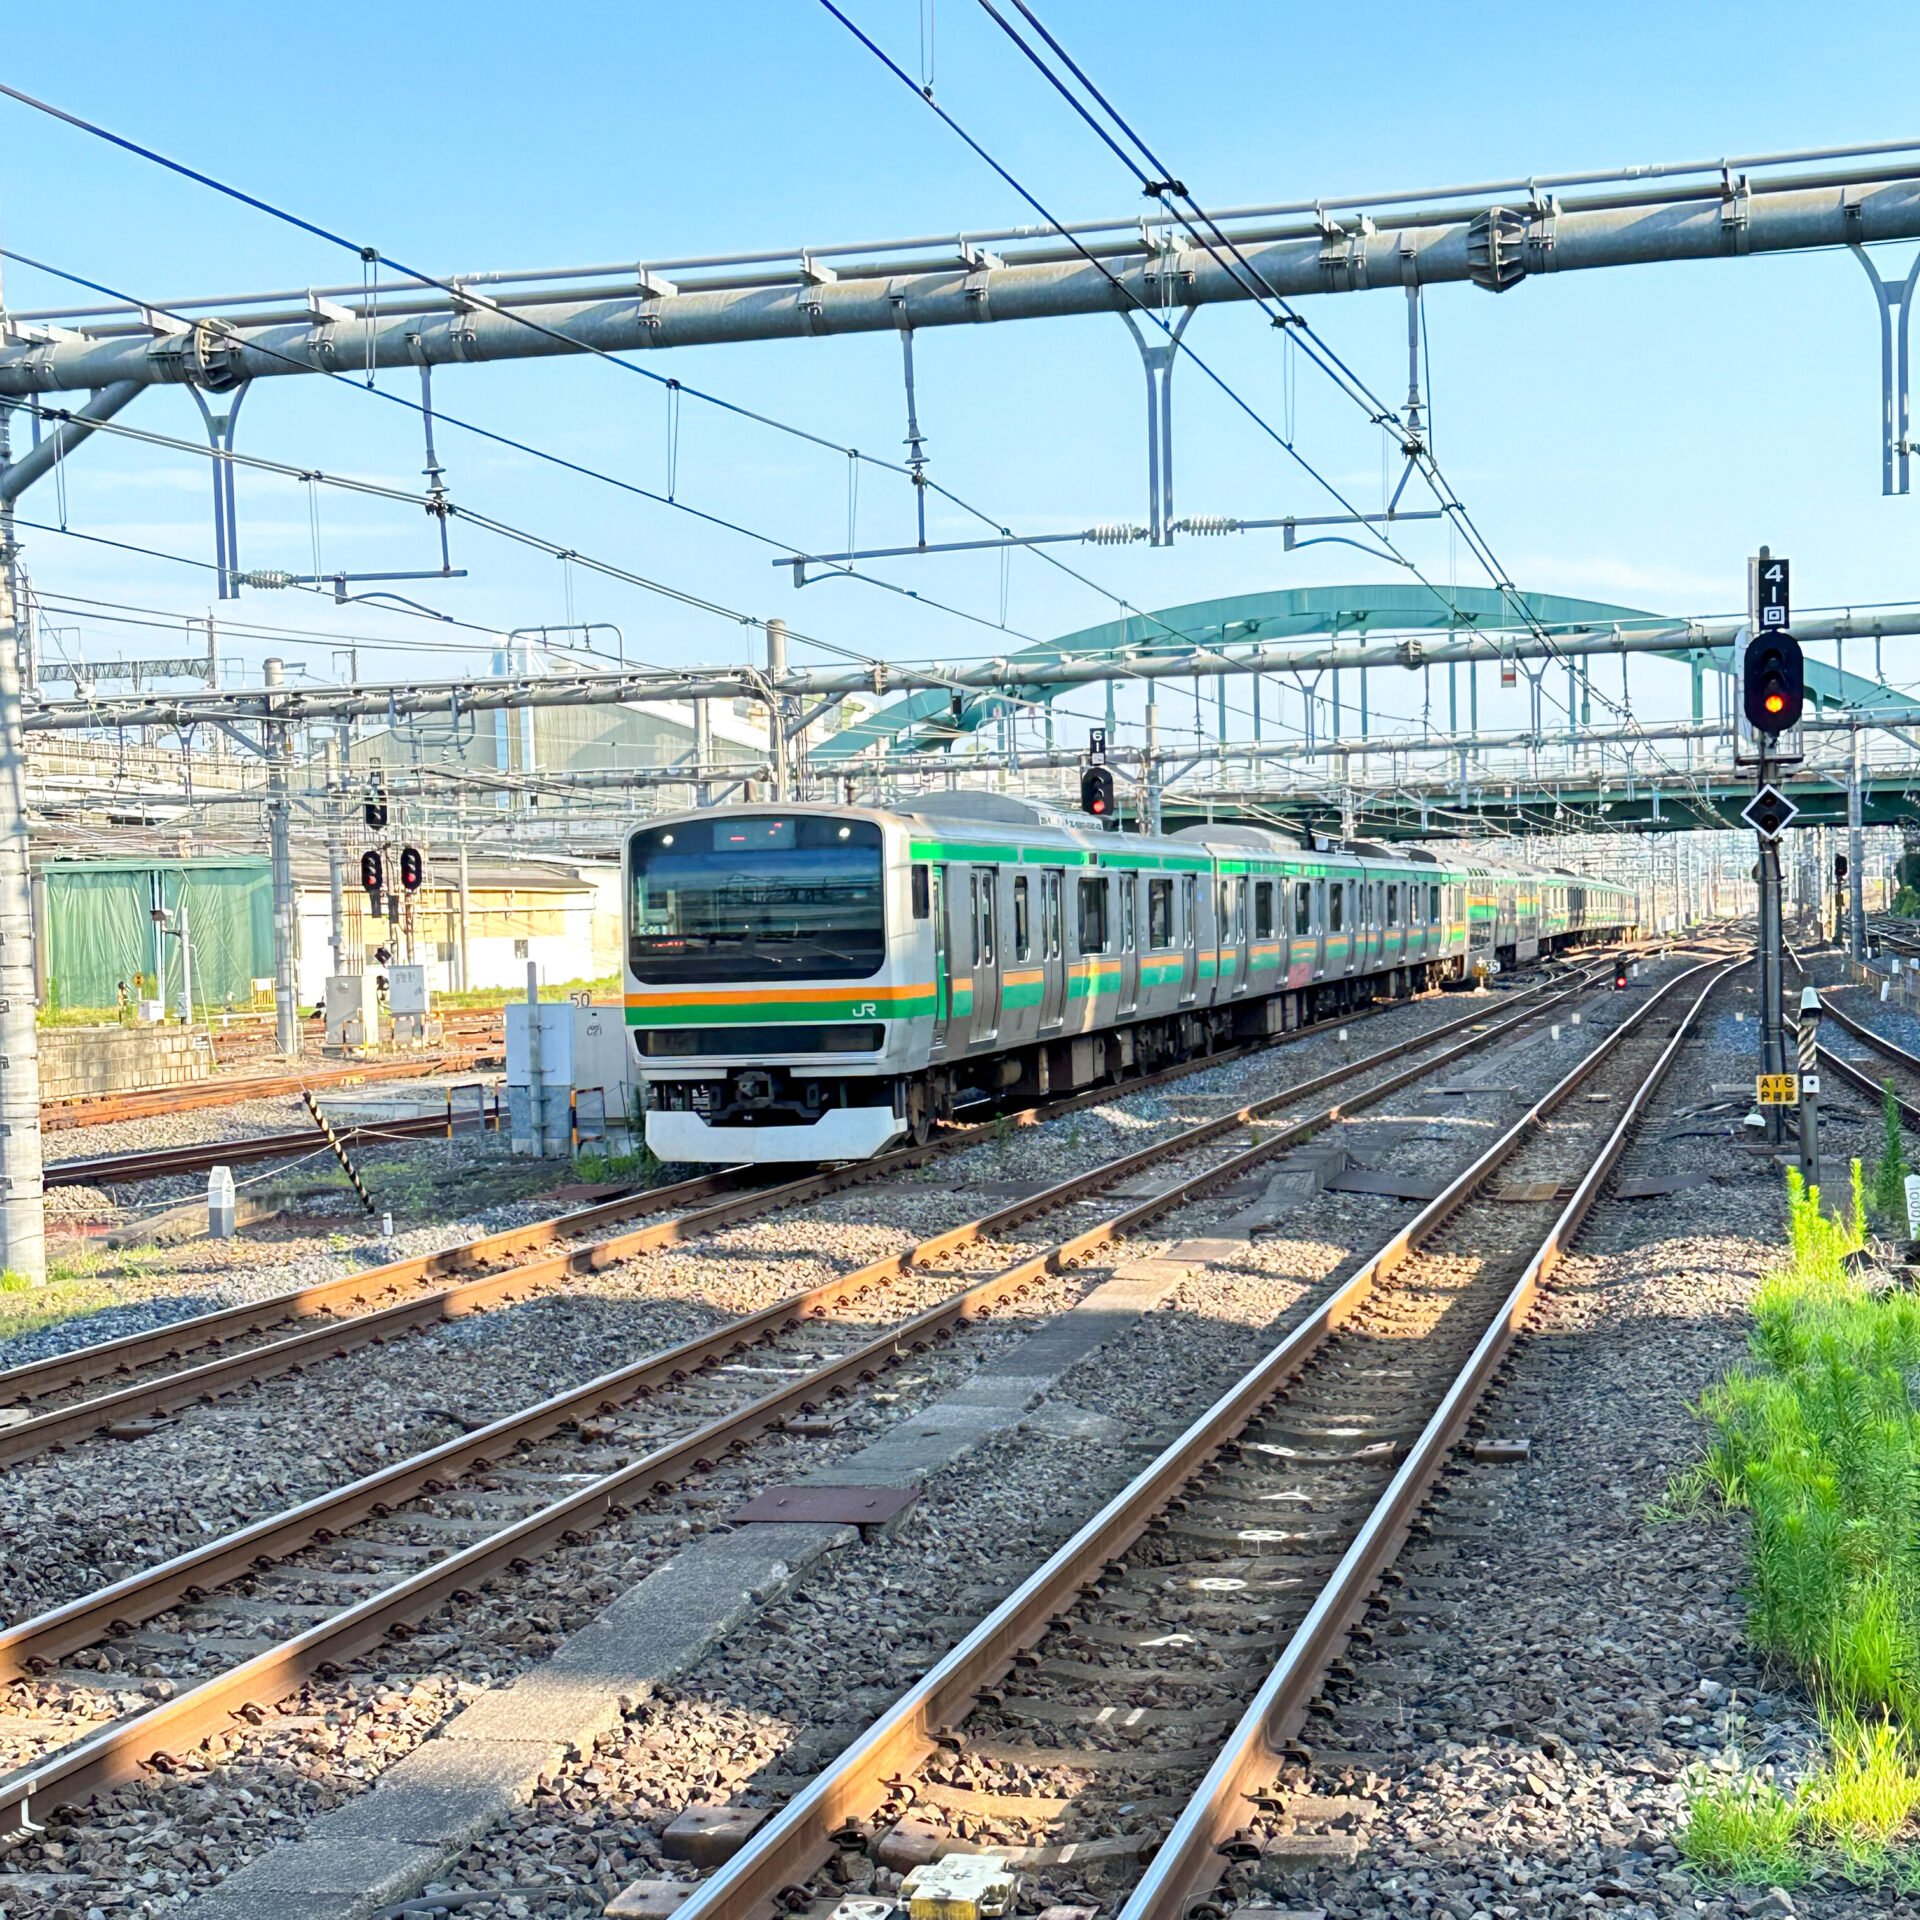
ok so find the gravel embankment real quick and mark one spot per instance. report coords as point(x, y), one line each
point(107, 1507)
point(1523, 1724)
point(874, 1616)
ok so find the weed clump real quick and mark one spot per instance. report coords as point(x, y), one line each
point(1817, 1439)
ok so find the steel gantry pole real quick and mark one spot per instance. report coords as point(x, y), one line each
point(1856, 880)
point(776, 708)
point(23, 1244)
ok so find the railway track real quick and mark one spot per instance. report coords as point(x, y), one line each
point(118, 1169)
point(94, 1110)
point(253, 1342)
point(1134, 1706)
point(598, 1451)
point(1906, 1065)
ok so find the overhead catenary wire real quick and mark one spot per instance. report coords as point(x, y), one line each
point(1161, 185)
point(675, 386)
point(516, 445)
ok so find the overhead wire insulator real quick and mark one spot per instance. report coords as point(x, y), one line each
point(1114, 533)
point(1207, 523)
point(264, 577)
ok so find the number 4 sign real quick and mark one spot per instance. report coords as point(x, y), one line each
point(1771, 597)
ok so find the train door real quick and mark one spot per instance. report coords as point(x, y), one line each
point(942, 959)
point(1189, 937)
point(983, 892)
point(1129, 886)
point(1053, 995)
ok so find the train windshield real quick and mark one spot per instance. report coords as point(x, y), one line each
point(770, 897)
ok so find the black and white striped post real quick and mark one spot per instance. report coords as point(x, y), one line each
point(1810, 1011)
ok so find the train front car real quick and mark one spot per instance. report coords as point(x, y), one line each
point(774, 971)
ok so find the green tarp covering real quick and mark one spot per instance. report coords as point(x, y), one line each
point(99, 932)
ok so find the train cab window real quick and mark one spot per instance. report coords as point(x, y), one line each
point(922, 893)
point(1022, 923)
point(1338, 920)
point(756, 897)
point(1263, 909)
point(1159, 913)
point(1303, 908)
point(1093, 915)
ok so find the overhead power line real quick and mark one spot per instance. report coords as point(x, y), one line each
point(573, 342)
point(1173, 194)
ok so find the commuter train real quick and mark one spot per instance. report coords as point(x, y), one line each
point(816, 983)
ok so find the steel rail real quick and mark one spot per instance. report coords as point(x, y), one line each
point(74, 1368)
point(224, 1325)
point(794, 1844)
point(1851, 1071)
point(121, 1751)
point(90, 1110)
point(1190, 1859)
point(158, 1163)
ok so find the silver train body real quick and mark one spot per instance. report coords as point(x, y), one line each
point(817, 983)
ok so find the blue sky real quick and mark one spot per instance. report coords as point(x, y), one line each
point(1629, 435)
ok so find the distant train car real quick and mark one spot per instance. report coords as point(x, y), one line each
point(814, 983)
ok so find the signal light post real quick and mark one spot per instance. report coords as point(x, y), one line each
point(1773, 693)
point(1096, 781)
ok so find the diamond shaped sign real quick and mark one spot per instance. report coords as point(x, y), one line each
point(1769, 813)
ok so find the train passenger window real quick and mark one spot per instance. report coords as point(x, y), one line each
point(1303, 907)
point(1093, 915)
point(1022, 927)
point(988, 887)
point(1050, 913)
point(1129, 907)
point(1433, 906)
point(1263, 909)
point(1223, 929)
point(1159, 913)
point(921, 895)
point(973, 912)
point(1337, 923)
point(1393, 906)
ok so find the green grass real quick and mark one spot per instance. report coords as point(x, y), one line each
point(1817, 1439)
point(1890, 1170)
point(596, 1167)
point(607, 988)
point(1841, 1821)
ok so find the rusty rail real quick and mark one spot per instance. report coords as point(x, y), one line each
point(799, 1840)
point(94, 1110)
point(223, 1326)
point(117, 1169)
point(150, 1738)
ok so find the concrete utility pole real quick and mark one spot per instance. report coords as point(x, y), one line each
point(703, 748)
point(286, 953)
point(776, 708)
point(23, 1244)
point(1856, 879)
